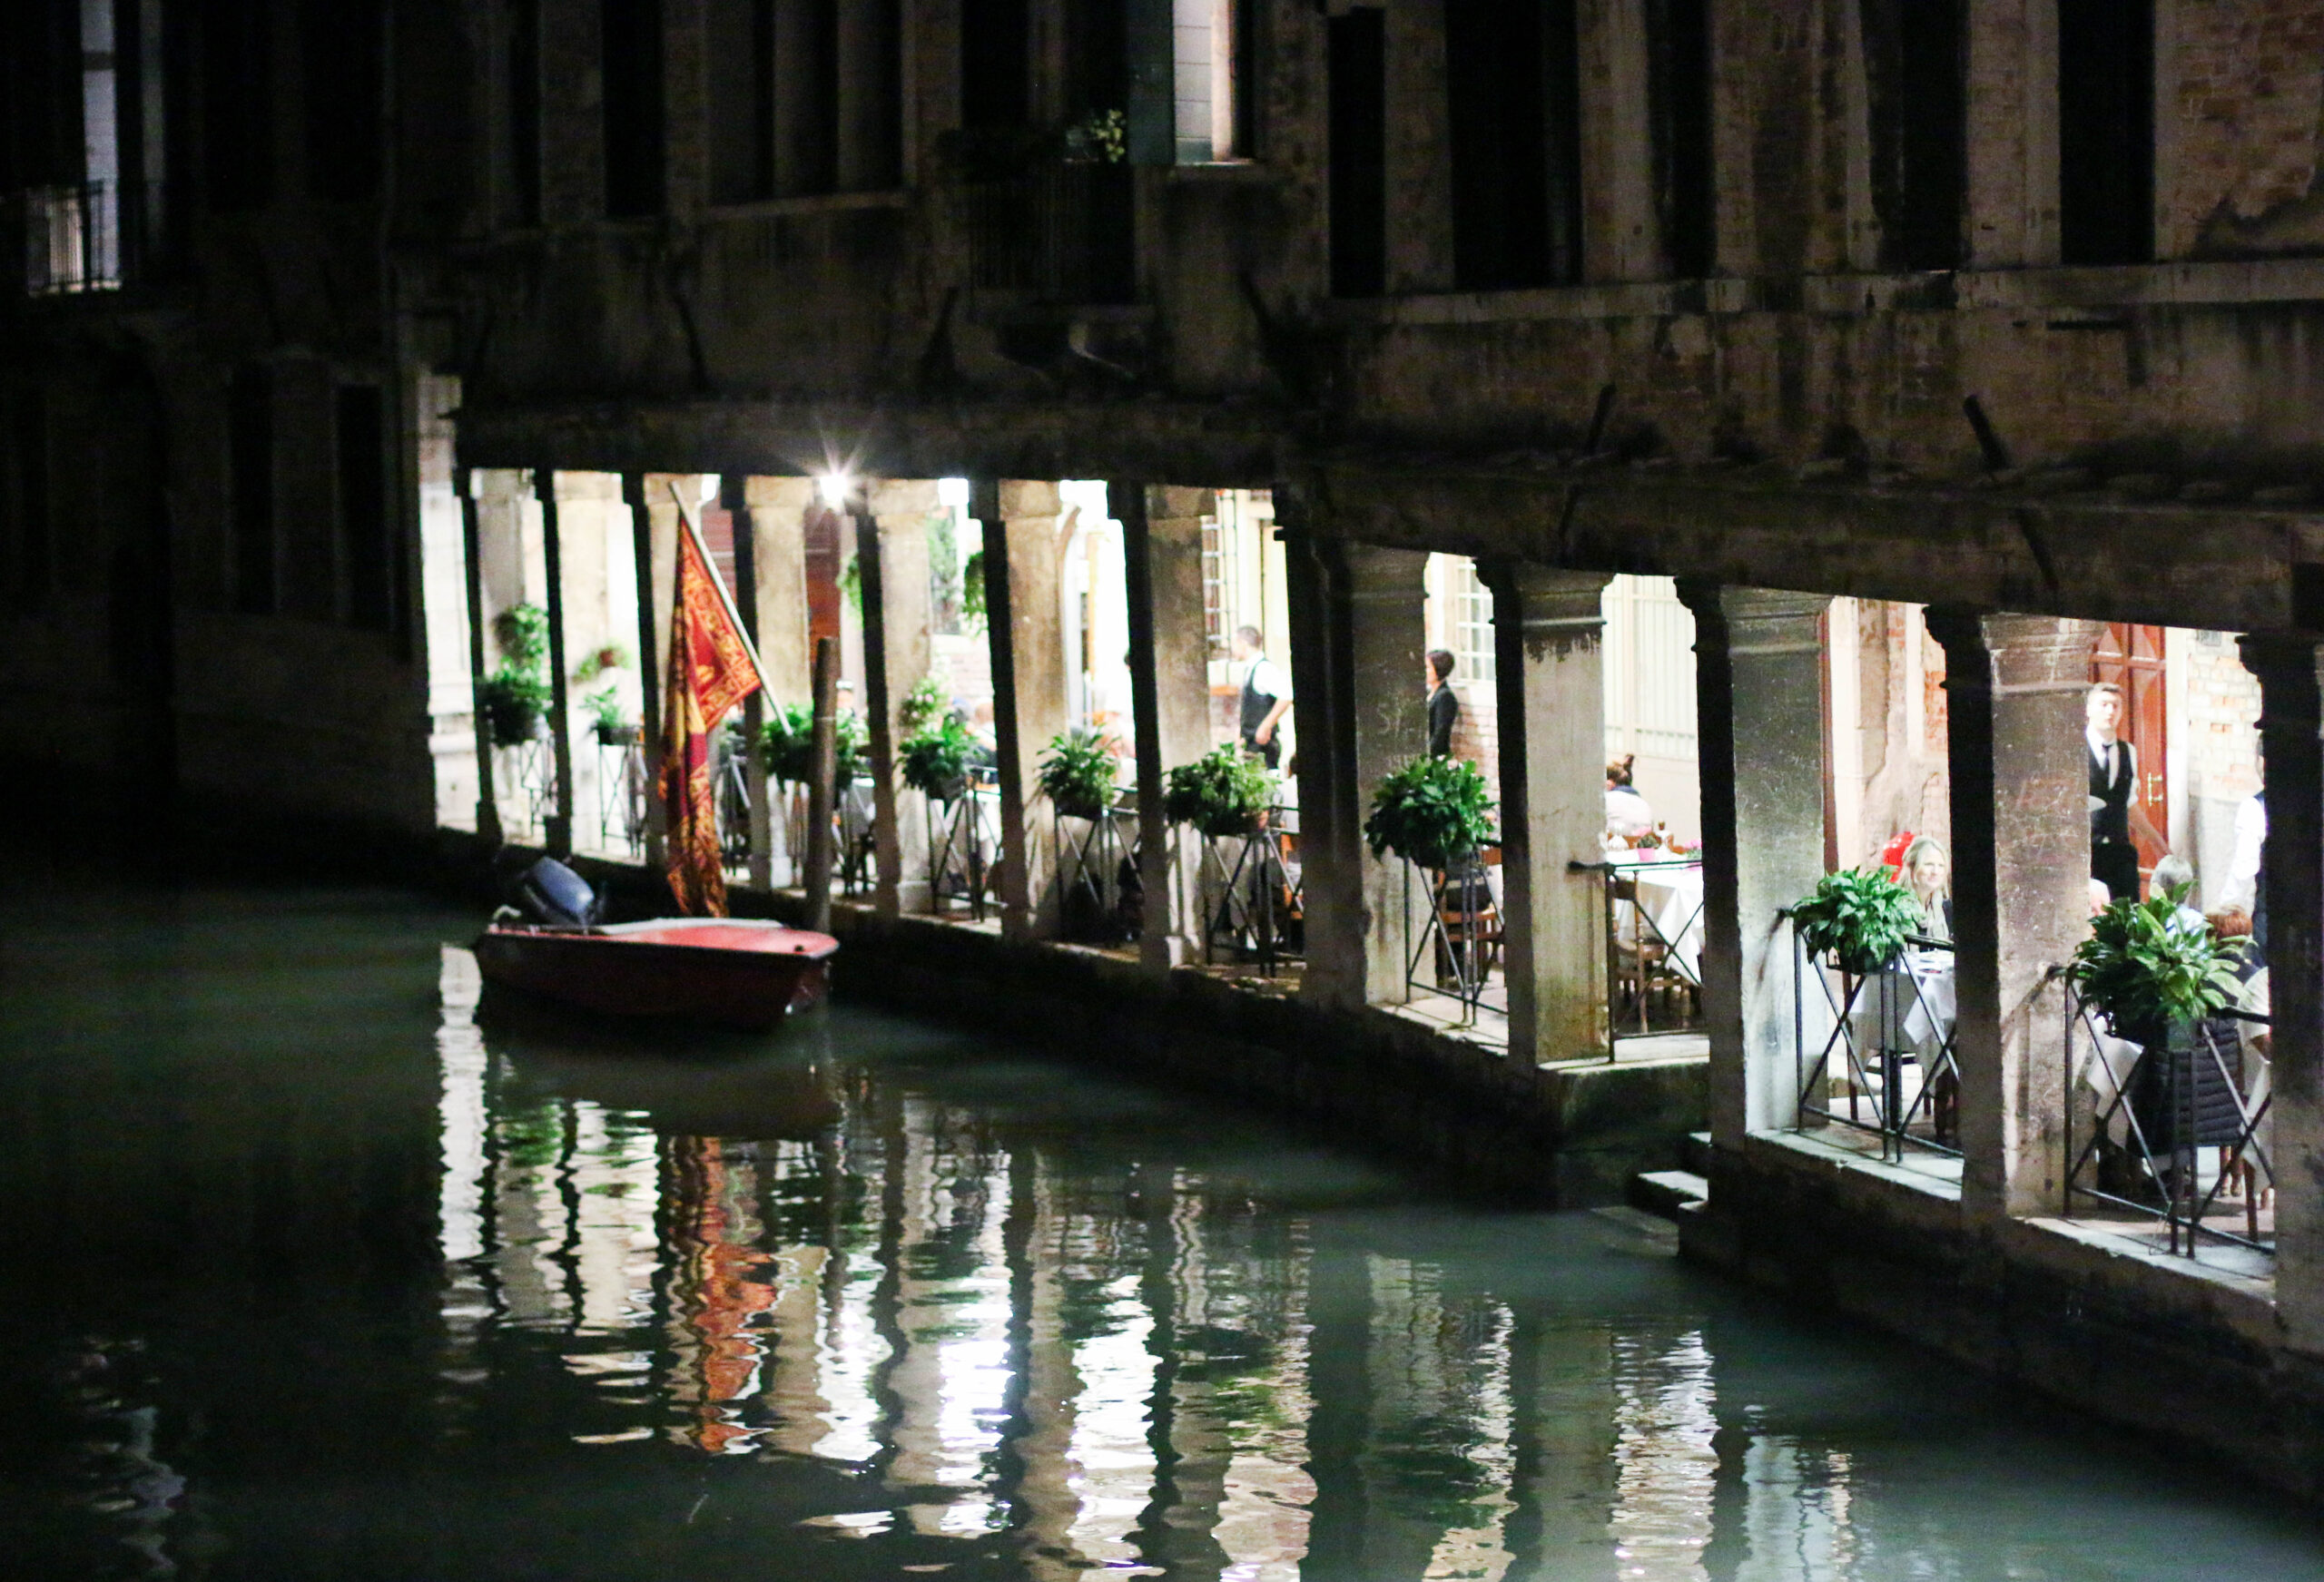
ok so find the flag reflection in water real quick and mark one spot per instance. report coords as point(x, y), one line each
point(1008, 1334)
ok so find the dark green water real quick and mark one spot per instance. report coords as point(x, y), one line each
point(311, 1276)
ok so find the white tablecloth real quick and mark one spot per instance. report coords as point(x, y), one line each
point(1910, 1005)
point(1670, 893)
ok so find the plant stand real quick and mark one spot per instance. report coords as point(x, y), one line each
point(1461, 936)
point(1257, 898)
point(959, 848)
point(1088, 867)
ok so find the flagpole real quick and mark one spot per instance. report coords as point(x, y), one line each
point(718, 583)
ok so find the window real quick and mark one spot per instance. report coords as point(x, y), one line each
point(996, 64)
point(2105, 131)
point(741, 36)
point(1511, 76)
point(1678, 66)
point(342, 42)
point(1210, 57)
point(359, 442)
point(806, 97)
point(1220, 605)
point(631, 71)
point(1473, 644)
point(1358, 192)
point(249, 457)
point(1915, 71)
point(237, 104)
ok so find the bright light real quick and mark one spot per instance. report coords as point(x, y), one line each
point(952, 494)
point(834, 488)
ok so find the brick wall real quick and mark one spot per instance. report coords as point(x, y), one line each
point(2250, 98)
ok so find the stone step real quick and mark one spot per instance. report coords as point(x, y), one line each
point(1669, 1192)
point(1694, 1152)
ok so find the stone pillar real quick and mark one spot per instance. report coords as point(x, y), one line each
point(2292, 868)
point(891, 552)
point(1024, 626)
point(1550, 671)
point(1169, 682)
point(778, 531)
point(1387, 636)
point(1330, 821)
point(652, 590)
point(734, 498)
point(1758, 678)
point(2013, 687)
point(487, 804)
point(558, 835)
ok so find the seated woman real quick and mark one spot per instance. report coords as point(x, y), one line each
point(1929, 871)
point(1627, 812)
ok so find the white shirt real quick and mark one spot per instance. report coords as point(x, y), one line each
point(1627, 812)
point(1268, 679)
point(2104, 751)
point(2243, 889)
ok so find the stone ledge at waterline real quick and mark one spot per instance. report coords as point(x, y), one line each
point(1564, 1137)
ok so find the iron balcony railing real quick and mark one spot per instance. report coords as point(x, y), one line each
point(1065, 231)
point(2177, 1134)
point(82, 237)
point(1254, 908)
point(1652, 909)
point(1098, 897)
point(1457, 951)
point(1886, 1065)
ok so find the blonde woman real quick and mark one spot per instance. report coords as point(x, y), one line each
point(1929, 870)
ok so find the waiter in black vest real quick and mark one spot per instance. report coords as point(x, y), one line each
point(1266, 696)
point(2113, 791)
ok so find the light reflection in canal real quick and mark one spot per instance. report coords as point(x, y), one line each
point(333, 1275)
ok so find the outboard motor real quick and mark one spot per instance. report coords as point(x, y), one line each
point(555, 896)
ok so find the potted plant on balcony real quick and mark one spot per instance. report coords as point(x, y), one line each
point(605, 719)
point(788, 738)
point(1076, 774)
point(1858, 919)
point(2155, 973)
point(517, 694)
point(1222, 793)
point(934, 759)
point(1435, 813)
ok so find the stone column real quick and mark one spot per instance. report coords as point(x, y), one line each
point(1169, 682)
point(558, 835)
point(778, 523)
point(2292, 868)
point(1550, 679)
point(1316, 600)
point(2013, 687)
point(733, 499)
point(652, 590)
point(1024, 626)
point(1387, 635)
point(1758, 678)
point(487, 804)
point(891, 552)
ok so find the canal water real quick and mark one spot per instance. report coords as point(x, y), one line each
point(317, 1270)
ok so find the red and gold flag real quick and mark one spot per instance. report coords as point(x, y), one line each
point(710, 672)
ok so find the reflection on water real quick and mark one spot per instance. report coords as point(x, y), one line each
point(870, 1301)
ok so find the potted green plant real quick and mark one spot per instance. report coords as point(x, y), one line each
point(1859, 918)
point(605, 715)
point(934, 761)
point(1076, 774)
point(516, 693)
point(1222, 793)
point(788, 738)
point(2150, 970)
point(923, 706)
point(1434, 813)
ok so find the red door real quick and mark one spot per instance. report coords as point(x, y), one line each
point(2131, 658)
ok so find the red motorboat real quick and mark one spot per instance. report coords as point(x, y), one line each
point(736, 972)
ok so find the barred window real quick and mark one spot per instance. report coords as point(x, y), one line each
point(1472, 624)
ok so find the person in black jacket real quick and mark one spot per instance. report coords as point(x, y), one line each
point(1444, 703)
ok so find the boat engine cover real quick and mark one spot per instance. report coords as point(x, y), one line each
point(553, 894)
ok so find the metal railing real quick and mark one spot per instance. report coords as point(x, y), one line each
point(1653, 950)
point(1063, 231)
point(86, 236)
point(1099, 898)
point(1459, 936)
point(1889, 1053)
point(622, 792)
point(2157, 1112)
point(964, 843)
point(1253, 906)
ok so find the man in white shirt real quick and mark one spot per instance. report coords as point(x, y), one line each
point(1266, 695)
point(2114, 795)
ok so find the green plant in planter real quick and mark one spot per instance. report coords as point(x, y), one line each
point(1076, 774)
point(604, 713)
point(1221, 794)
point(2149, 970)
point(522, 632)
point(599, 660)
point(934, 761)
point(516, 693)
point(1860, 917)
point(788, 738)
point(1433, 812)
point(923, 706)
point(973, 610)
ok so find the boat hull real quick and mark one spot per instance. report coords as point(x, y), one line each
point(724, 972)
